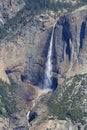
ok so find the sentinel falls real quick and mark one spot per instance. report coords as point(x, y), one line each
point(48, 67)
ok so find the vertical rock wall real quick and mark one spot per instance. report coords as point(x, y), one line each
point(70, 40)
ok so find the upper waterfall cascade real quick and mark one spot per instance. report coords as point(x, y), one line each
point(48, 69)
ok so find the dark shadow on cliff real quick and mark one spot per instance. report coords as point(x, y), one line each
point(42, 60)
point(82, 34)
point(54, 66)
point(46, 46)
point(66, 35)
point(32, 116)
point(54, 83)
point(54, 57)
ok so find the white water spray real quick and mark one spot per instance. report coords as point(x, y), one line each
point(48, 70)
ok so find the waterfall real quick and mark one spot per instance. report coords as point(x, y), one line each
point(48, 67)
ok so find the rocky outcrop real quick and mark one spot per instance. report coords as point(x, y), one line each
point(4, 123)
point(8, 9)
point(11, 60)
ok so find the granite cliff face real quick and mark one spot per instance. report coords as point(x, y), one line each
point(70, 40)
point(23, 53)
point(31, 40)
point(69, 48)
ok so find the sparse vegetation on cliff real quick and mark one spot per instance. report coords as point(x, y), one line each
point(33, 7)
point(69, 102)
point(7, 101)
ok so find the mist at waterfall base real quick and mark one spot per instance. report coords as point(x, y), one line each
point(49, 81)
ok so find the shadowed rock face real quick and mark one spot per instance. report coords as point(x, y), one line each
point(82, 34)
point(70, 40)
point(66, 35)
